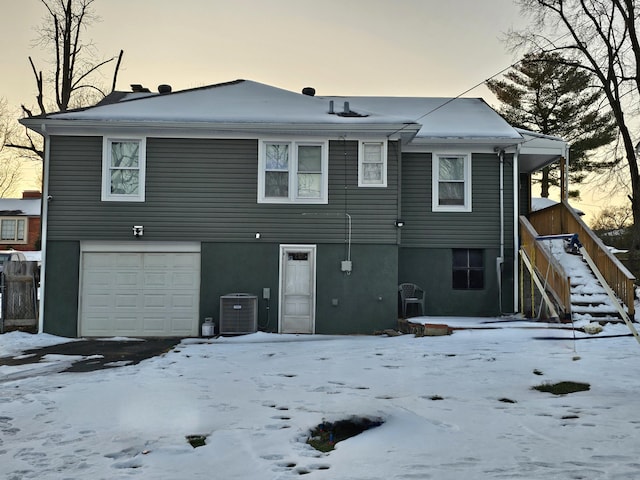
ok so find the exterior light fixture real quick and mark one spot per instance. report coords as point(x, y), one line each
point(257, 235)
point(138, 230)
point(399, 223)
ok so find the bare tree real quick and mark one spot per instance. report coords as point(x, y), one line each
point(10, 167)
point(600, 37)
point(612, 219)
point(75, 64)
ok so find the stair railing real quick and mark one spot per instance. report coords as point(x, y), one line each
point(561, 218)
point(547, 267)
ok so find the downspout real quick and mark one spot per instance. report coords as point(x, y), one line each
point(399, 190)
point(44, 211)
point(516, 227)
point(500, 259)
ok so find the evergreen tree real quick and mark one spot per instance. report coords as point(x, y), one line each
point(545, 95)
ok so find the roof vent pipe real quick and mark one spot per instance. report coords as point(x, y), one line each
point(310, 91)
point(164, 88)
point(138, 88)
point(331, 107)
point(346, 107)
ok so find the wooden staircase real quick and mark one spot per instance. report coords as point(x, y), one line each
point(589, 298)
point(565, 292)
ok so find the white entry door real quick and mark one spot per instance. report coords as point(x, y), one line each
point(297, 302)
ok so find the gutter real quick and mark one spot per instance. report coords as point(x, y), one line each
point(208, 129)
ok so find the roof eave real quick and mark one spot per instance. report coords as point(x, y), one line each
point(49, 126)
point(420, 143)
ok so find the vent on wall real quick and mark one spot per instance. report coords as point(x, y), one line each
point(238, 313)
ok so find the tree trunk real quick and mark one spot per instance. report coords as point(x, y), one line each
point(544, 183)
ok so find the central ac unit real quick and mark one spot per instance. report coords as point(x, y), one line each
point(238, 313)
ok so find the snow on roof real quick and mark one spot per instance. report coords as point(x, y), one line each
point(439, 117)
point(29, 207)
point(244, 101)
point(239, 101)
point(540, 203)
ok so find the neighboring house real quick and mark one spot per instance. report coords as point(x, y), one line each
point(20, 222)
point(319, 206)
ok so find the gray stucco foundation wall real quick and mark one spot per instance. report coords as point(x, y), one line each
point(362, 302)
point(239, 268)
point(431, 269)
point(367, 299)
point(61, 288)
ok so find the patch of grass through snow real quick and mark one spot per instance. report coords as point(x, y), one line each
point(325, 436)
point(562, 388)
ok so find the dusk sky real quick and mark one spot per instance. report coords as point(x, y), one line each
point(369, 47)
point(339, 47)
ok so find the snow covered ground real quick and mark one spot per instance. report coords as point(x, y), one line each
point(454, 407)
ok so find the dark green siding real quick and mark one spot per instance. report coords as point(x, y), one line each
point(204, 189)
point(366, 299)
point(428, 237)
point(61, 288)
point(479, 228)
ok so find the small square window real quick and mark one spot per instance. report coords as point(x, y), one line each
point(451, 183)
point(123, 170)
point(372, 164)
point(468, 269)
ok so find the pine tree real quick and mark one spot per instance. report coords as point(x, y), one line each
point(545, 95)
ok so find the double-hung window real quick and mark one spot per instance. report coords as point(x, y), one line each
point(372, 164)
point(451, 183)
point(123, 169)
point(292, 172)
point(13, 230)
point(468, 269)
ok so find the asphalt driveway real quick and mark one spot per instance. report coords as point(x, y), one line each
point(101, 353)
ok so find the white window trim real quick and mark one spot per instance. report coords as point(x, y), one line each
point(107, 196)
point(435, 194)
point(26, 230)
point(383, 182)
point(293, 177)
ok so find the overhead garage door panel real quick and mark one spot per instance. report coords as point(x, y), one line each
point(140, 294)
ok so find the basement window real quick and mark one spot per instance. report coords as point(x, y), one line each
point(123, 169)
point(468, 269)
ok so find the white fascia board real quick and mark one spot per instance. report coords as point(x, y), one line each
point(546, 150)
point(392, 131)
point(477, 145)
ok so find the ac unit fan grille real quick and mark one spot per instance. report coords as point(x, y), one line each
point(238, 314)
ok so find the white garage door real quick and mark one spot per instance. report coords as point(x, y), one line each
point(151, 294)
